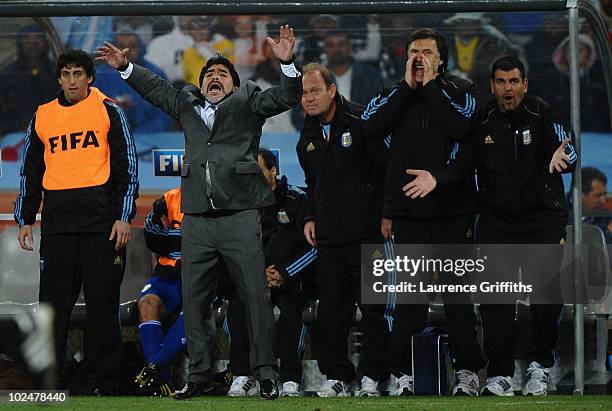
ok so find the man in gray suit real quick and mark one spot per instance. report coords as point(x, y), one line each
point(223, 190)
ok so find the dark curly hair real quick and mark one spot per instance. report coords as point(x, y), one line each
point(220, 59)
point(76, 58)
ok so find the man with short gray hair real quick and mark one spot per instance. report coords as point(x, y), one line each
point(345, 182)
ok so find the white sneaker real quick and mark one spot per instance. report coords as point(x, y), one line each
point(243, 386)
point(291, 389)
point(467, 384)
point(405, 386)
point(538, 380)
point(500, 386)
point(369, 387)
point(334, 388)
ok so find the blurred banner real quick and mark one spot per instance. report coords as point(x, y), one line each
point(159, 157)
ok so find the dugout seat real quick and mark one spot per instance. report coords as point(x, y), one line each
point(19, 276)
point(19, 273)
point(596, 277)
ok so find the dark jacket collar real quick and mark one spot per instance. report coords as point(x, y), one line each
point(339, 122)
point(280, 192)
point(528, 105)
point(63, 101)
point(197, 97)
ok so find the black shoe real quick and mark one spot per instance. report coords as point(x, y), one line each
point(152, 384)
point(162, 390)
point(149, 377)
point(268, 389)
point(193, 389)
point(221, 383)
point(224, 377)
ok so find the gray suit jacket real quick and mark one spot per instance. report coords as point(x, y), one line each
point(230, 148)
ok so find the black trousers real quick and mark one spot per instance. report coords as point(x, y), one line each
point(10, 334)
point(290, 334)
point(498, 320)
point(338, 281)
point(67, 263)
point(410, 319)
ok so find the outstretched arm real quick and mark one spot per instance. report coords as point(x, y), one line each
point(149, 85)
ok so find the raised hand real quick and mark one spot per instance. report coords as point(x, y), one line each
point(111, 55)
point(409, 74)
point(559, 159)
point(423, 184)
point(283, 49)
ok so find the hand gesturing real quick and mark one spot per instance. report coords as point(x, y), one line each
point(283, 49)
point(111, 55)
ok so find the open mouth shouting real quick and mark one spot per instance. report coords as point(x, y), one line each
point(215, 89)
point(419, 68)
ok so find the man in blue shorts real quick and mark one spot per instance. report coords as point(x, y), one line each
point(161, 299)
point(161, 296)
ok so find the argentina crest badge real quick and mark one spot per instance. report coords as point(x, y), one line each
point(526, 137)
point(282, 217)
point(346, 139)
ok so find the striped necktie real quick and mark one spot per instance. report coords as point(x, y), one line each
point(210, 115)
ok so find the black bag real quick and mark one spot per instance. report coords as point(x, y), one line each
point(432, 363)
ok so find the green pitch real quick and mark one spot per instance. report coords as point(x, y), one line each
point(552, 402)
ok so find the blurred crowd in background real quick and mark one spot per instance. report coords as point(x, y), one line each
point(364, 53)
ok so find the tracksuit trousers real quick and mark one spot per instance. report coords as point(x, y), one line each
point(338, 281)
point(67, 263)
point(498, 321)
point(410, 319)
